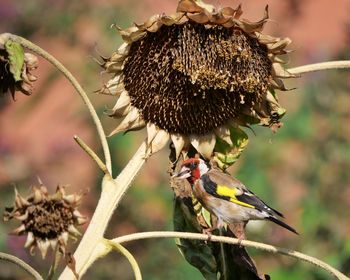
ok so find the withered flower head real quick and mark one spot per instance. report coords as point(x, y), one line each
point(48, 220)
point(191, 76)
point(16, 69)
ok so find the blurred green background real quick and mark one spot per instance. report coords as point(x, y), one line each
point(303, 170)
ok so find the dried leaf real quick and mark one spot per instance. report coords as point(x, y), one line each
point(70, 261)
point(197, 252)
point(16, 59)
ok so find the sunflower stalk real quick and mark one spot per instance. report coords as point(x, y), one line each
point(112, 192)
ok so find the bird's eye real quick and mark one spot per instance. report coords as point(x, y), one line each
point(275, 115)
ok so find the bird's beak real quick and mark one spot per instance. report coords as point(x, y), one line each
point(184, 173)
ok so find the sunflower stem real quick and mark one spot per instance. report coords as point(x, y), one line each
point(340, 64)
point(92, 154)
point(39, 51)
point(55, 262)
point(113, 190)
point(26, 267)
point(129, 256)
point(214, 238)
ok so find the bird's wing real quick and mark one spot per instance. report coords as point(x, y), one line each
point(222, 178)
point(224, 186)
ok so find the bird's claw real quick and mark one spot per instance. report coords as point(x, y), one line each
point(208, 231)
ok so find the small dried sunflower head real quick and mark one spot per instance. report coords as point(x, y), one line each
point(48, 220)
point(16, 69)
point(191, 76)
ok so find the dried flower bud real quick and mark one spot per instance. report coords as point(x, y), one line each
point(16, 69)
point(48, 220)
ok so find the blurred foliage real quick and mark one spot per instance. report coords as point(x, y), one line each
point(301, 170)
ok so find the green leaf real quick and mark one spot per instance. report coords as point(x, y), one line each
point(226, 154)
point(197, 252)
point(16, 58)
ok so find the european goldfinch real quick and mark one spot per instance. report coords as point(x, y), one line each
point(224, 196)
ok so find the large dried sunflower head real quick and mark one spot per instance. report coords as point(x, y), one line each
point(191, 76)
point(16, 69)
point(48, 220)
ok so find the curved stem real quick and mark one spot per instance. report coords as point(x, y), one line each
point(21, 264)
point(340, 64)
point(39, 51)
point(112, 192)
point(247, 243)
point(129, 256)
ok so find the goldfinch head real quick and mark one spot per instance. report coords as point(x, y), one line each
point(192, 169)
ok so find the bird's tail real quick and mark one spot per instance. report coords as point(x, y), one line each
point(282, 224)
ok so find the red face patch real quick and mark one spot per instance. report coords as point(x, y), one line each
point(190, 161)
point(195, 174)
point(193, 165)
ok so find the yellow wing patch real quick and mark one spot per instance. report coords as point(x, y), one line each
point(226, 191)
point(231, 193)
point(235, 200)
